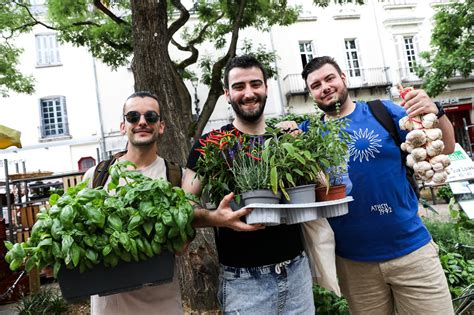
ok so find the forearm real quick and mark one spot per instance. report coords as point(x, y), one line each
point(202, 217)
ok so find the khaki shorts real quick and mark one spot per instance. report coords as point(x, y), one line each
point(411, 284)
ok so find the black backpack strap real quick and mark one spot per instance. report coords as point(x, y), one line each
point(382, 115)
point(174, 173)
point(101, 172)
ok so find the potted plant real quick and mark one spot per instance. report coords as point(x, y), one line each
point(250, 167)
point(330, 143)
point(213, 167)
point(92, 238)
point(293, 167)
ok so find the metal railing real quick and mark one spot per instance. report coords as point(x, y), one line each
point(293, 84)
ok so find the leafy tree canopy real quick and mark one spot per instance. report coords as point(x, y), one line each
point(12, 23)
point(452, 43)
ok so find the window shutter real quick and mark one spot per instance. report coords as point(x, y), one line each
point(39, 50)
point(363, 73)
point(65, 119)
point(399, 49)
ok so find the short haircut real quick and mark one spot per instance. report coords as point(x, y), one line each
point(246, 62)
point(317, 63)
point(141, 94)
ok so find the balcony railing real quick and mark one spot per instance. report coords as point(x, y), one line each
point(293, 84)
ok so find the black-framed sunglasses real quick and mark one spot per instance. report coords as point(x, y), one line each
point(151, 117)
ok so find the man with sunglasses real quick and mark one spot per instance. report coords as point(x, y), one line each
point(143, 126)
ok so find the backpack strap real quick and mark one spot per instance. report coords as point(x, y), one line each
point(101, 172)
point(174, 173)
point(382, 115)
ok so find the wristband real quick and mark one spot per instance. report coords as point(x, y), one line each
point(441, 111)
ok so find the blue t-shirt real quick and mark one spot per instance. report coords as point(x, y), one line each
point(383, 221)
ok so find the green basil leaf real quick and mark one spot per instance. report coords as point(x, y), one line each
point(135, 221)
point(75, 254)
point(106, 250)
point(15, 264)
point(57, 266)
point(91, 255)
point(67, 215)
point(115, 222)
point(148, 227)
point(31, 263)
point(66, 244)
point(8, 245)
point(167, 218)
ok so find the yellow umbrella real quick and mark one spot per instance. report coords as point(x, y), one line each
point(9, 137)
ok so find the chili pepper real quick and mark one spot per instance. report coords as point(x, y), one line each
point(252, 156)
point(223, 144)
point(201, 151)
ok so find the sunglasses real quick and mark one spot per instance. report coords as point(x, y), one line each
point(151, 117)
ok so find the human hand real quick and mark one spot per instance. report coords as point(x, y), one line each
point(417, 102)
point(290, 127)
point(224, 216)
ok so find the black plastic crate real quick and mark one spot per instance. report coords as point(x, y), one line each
point(126, 276)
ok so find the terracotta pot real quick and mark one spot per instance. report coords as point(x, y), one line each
point(335, 192)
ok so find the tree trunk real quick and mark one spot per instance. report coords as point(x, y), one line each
point(152, 67)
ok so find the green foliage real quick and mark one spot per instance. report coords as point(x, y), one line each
point(46, 302)
point(456, 253)
point(329, 143)
point(445, 193)
point(251, 167)
point(213, 168)
point(267, 59)
point(462, 220)
point(271, 122)
point(451, 47)
point(14, 20)
point(291, 160)
point(87, 226)
point(328, 303)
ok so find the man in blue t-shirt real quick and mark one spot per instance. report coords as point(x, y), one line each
point(386, 258)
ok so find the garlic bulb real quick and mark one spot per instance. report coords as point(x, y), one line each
point(417, 138)
point(425, 148)
point(418, 154)
point(433, 134)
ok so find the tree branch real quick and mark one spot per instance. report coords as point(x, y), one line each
point(216, 86)
point(191, 45)
point(99, 5)
point(183, 18)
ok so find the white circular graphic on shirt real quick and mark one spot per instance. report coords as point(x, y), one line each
point(363, 145)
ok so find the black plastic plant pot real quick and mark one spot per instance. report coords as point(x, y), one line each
point(126, 276)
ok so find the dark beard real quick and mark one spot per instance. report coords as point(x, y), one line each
point(252, 116)
point(332, 107)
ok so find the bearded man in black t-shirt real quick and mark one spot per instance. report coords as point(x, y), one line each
point(263, 270)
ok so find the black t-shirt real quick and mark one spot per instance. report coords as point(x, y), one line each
point(271, 245)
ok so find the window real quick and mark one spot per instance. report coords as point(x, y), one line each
point(47, 52)
point(53, 117)
point(352, 58)
point(410, 53)
point(306, 52)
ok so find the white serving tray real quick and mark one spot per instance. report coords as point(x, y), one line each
point(274, 214)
